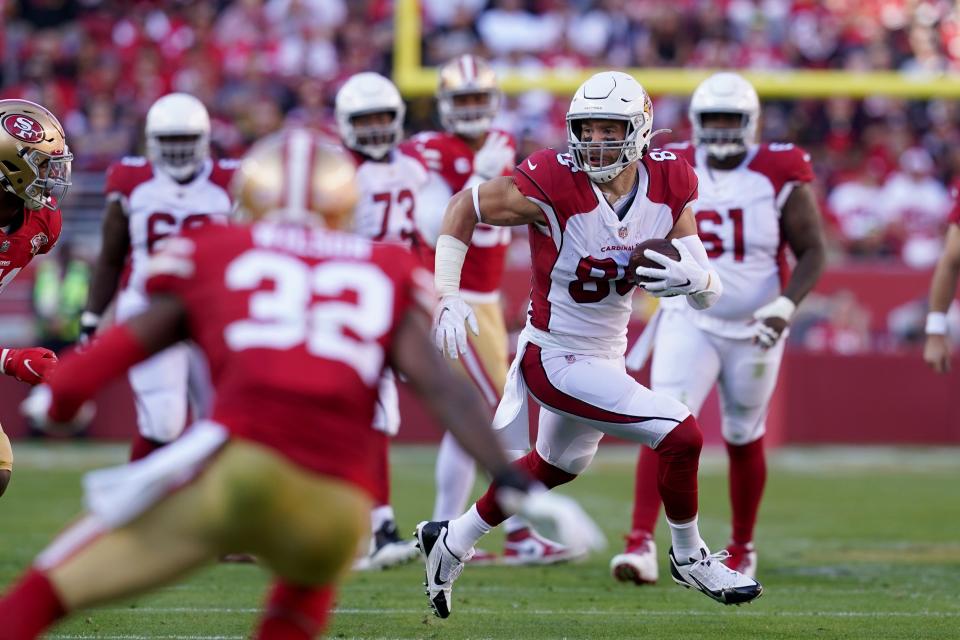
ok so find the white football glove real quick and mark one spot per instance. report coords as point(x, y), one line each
point(555, 516)
point(493, 157)
point(37, 404)
point(453, 315)
point(677, 277)
point(772, 320)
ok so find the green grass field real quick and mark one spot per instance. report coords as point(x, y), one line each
point(853, 544)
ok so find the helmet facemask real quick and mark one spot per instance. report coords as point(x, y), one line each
point(50, 186)
point(723, 142)
point(472, 119)
point(594, 157)
point(373, 136)
point(179, 155)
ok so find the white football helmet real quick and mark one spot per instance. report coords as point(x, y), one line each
point(467, 74)
point(178, 135)
point(725, 92)
point(363, 94)
point(610, 95)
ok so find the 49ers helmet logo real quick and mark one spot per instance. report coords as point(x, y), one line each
point(23, 128)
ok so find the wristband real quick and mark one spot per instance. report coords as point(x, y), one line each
point(936, 323)
point(448, 263)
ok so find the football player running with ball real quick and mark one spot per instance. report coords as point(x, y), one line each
point(298, 320)
point(755, 202)
point(34, 177)
point(586, 212)
point(469, 152)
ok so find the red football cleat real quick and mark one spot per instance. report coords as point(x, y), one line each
point(638, 563)
point(526, 546)
point(743, 558)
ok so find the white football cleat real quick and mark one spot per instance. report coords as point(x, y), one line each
point(387, 549)
point(527, 547)
point(743, 558)
point(638, 564)
point(710, 576)
point(443, 567)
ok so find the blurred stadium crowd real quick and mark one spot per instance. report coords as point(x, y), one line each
point(885, 166)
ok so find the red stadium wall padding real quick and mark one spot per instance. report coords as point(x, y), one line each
point(821, 399)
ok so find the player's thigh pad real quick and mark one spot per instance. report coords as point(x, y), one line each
point(747, 382)
point(485, 362)
point(599, 392)
point(566, 443)
point(6, 451)
point(686, 363)
point(386, 413)
point(160, 393)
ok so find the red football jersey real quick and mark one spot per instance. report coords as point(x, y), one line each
point(38, 233)
point(297, 324)
point(955, 194)
point(452, 158)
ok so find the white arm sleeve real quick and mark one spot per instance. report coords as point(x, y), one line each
point(432, 200)
point(706, 297)
point(448, 264)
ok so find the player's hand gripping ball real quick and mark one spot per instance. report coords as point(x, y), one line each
point(637, 259)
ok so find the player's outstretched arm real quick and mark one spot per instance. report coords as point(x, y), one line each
point(943, 286)
point(81, 374)
point(496, 202)
point(106, 275)
point(801, 227)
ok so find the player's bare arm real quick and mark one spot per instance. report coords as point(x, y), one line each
point(106, 277)
point(801, 227)
point(496, 202)
point(452, 401)
point(943, 286)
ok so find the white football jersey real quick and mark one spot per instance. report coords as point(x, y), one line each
point(738, 221)
point(388, 197)
point(580, 297)
point(157, 206)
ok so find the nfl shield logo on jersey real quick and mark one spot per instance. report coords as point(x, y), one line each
point(622, 232)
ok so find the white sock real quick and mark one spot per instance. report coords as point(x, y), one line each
point(686, 540)
point(379, 515)
point(464, 532)
point(454, 475)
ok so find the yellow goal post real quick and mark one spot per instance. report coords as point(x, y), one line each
point(415, 80)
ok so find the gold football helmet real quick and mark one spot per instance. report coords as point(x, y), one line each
point(296, 176)
point(34, 158)
point(468, 96)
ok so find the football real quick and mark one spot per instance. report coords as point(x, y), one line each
point(637, 259)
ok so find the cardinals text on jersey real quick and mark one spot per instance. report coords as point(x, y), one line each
point(450, 157)
point(36, 235)
point(580, 292)
point(157, 206)
point(738, 220)
point(296, 324)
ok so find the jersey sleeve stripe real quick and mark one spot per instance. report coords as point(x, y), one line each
point(555, 229)
point(784, 194)
point(539, 385)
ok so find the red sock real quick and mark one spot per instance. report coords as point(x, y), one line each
point(646, 497)
point(748, 475)
point(541, 470)
point(679, 455)
point(295, 613)
point(29, 608)
point(382, 480)
point(142, 447)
